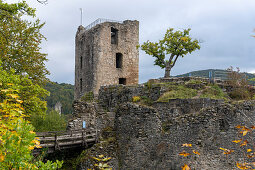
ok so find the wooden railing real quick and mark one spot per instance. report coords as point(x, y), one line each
point(58, 140)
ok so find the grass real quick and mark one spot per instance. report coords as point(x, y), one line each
point(178, 92)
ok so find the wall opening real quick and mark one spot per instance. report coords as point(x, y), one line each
point(119, 60)
point(80, 85)
point(81, 62)
point(123, 81)
point(114, 35)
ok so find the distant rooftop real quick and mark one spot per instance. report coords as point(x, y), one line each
point(99, 21)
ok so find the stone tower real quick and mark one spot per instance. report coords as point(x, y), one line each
point(106, 53)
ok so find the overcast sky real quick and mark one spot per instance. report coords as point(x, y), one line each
point(225, 28)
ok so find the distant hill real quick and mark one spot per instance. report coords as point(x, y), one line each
point(214, 73)
point(60, 92)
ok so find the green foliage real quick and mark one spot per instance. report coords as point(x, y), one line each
point(175, 44)
point(17, 138)
point(52, 121)
point(239, 83)
point(194, 82)
point(213, 92)
point(64, 93)
point(20, 42)
point(179, 92)
point(31, 94)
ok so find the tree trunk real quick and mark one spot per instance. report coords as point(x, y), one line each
point(167, 70)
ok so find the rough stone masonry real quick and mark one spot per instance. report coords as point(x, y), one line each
point(106, 54)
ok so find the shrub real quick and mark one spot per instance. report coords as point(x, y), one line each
point(213, 92)
point(52, 121)
point(136, 99)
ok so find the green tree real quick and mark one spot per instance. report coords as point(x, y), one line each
point(17, 139)
point(20, 41)
point(174, 45)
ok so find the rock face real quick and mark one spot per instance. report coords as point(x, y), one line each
point(106, 54)
point(151, 137)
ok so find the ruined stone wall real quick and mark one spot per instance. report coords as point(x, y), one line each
point(144, 144)
point(95, 56)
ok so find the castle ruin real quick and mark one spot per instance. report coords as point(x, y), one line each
point(106, 54)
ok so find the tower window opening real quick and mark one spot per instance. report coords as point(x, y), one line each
point(80, 85)
point(81, 62)
point(114, 35)
point(123, 81)
point(119, 60)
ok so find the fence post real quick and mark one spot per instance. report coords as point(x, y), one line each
point(56, 142)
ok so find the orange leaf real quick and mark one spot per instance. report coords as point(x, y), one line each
point(252, 127)
point(183, 153)
point(185, 167)
point(237, 141)
point(186, 145)
point(196, 152)
point(244, 143)
point(239, 126)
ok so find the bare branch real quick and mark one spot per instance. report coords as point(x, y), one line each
point(42, 1)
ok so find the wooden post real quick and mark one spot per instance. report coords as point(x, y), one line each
point(56, 142)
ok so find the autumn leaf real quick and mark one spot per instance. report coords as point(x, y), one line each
point(237, 141)
point(239, 126)
point(1, 158)
point(196, 152)
point(252, 127)
point(249, 150)
point(244, 143)
point(183, 153)
point(227, 151)
point(186, 145)
point(185, 167)
point(242, 165)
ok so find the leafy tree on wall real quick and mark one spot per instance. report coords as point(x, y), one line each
point(174, 45)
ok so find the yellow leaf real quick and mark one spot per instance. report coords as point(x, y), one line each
point(31, 147)
point(185, 167)
point(237, 141)
point(96, 158)
point(186, 145)
point(245, 132)
point(31, 132)
point(101, 156)
point(249, 150)
point(196, 152)
point(242, 165)
point(183, 153)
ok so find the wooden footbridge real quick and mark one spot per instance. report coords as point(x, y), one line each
point(60, 140)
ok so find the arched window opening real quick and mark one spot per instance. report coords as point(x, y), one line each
point(114, 35)
point(119, 60)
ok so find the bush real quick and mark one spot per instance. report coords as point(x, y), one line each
point(180, 92)
point(52, 121)
point(213, 92)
